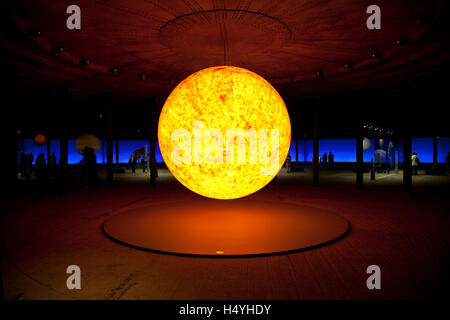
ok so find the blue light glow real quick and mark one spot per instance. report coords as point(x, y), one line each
point(344, 150)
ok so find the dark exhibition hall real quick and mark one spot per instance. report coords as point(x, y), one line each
point(215, 150)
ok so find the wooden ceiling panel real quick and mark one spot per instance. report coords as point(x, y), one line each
point(286, 41)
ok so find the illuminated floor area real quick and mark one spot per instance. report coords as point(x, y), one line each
point(406, 236)
point(217, 227)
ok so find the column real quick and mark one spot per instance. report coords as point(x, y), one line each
point(304, 145)
point(153, 168)
point(407, 170)
point(103, 150)
point(117, 153)
point(63, 151)
point(359, 161)
point(435, 141)
point(8, 161)
point(315, 149)
point(49, 148)
point(109, 147)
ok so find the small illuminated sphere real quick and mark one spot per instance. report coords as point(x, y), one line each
point(40, 139)
point(224, 132)
point(366, 144)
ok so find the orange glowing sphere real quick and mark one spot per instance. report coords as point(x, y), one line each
point(40, 139)
point(224, 132)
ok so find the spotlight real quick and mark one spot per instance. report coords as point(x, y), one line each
point(319, 73)
point(57, 49)
point(377, 55)
point(349, 66)
point(402, 41)
point(85, 62)
point(33, 32)
point(423, 21)
point(143, 76)
point(113, 70)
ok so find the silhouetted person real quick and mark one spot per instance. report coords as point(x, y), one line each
point(133, 163)
point(28, 165)
point(51, 164)
point(330, 159)
point(40, 166)
point(22, 164)
point(324, 158)
point(288, 163)
point(90, 167)
point(415, 163)
point(143, 163)
point(52, 160)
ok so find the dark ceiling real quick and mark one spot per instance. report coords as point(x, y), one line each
point(318, 54)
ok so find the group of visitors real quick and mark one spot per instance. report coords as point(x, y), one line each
point(42, 167)
point(133, 160)
point(327, 160)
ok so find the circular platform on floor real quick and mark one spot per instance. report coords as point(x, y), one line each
point(227, 228)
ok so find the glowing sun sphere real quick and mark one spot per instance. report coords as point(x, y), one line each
point(224, 132)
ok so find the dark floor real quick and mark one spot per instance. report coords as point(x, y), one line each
point(408, 237)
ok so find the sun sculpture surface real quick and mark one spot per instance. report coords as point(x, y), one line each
point(224, 132)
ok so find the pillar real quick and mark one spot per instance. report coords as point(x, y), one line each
point(372, 170)
point(103, 150)
point(153, 168)
point(64, 152)
point(396, 161)
point(407, 169)
point(435, 140)
point(109, 147)
point(49, 148)
point(8, 161)
point(304, 145)
point(117, 153)
point(359, 160)
point(64, 133)
point(315, 149)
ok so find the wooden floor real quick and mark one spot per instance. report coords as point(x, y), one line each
point(408, 237)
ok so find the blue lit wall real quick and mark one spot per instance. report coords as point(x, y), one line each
point(29, 145)
point(301, 150)
point(424, 148)
point(125, 149)
point(344, 150)
point(443, 148)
